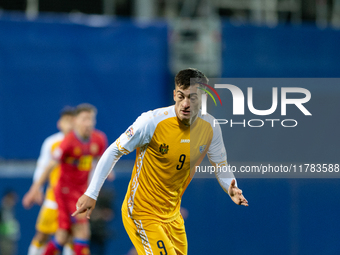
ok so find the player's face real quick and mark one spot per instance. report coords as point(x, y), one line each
point(84, 123)
point(65, 123)
point(187, 103)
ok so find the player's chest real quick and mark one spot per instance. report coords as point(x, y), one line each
point(177, 150)
point(82, 155)
point(80, 149)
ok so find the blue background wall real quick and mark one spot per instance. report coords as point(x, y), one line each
point(121, 67)
point(283, 51)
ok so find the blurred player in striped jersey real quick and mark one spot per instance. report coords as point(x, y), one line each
point(47, 222)
point(76, 154)
point(151, 209)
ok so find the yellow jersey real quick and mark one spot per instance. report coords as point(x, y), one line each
point(167, 150)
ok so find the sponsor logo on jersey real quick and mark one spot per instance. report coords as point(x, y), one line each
point(202, 148)
point(129, 133)
point(94, 148)
point(77, 151)
point(185, 140)
point(163, 149)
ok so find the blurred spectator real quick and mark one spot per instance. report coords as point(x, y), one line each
point(9, 226)
point(100, 218)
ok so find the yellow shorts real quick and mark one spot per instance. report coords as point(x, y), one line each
point(47, 221)
point(155, 237)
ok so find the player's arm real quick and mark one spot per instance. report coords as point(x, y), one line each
point(44, 159)
point(42, 163)
point(218, 158)
point(111, 176)
point(35, 194)
point(87, 202)
point(136, 136)
point(228, 183)
point(44, 176)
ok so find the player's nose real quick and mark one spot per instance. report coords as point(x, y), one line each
point(186, 103)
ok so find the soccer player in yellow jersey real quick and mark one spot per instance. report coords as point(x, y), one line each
point(151, 209)
point(47, 222)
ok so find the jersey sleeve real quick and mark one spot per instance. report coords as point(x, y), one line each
point(216, 152)
point(137, 135)
point(218, 156)
point(43, 160)
point(64, 148)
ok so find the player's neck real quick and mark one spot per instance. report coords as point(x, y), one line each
point(193, 119)
point(188, 122)
point(81, 136)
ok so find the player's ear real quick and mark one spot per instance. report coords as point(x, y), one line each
point(58, 125)
point(174, 94)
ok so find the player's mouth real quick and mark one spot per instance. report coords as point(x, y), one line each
point(185, 112)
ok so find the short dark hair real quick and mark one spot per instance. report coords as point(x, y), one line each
point(67, 111)
point(85, 107)
point(183, 77)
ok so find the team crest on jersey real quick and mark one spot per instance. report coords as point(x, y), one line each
point(163, 149)
point(77, 151)
point(202, 148)
point(129, 133)
point(94, 148)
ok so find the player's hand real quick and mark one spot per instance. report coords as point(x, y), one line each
point(34, 195)
point(236, 194)
point(85, 204)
